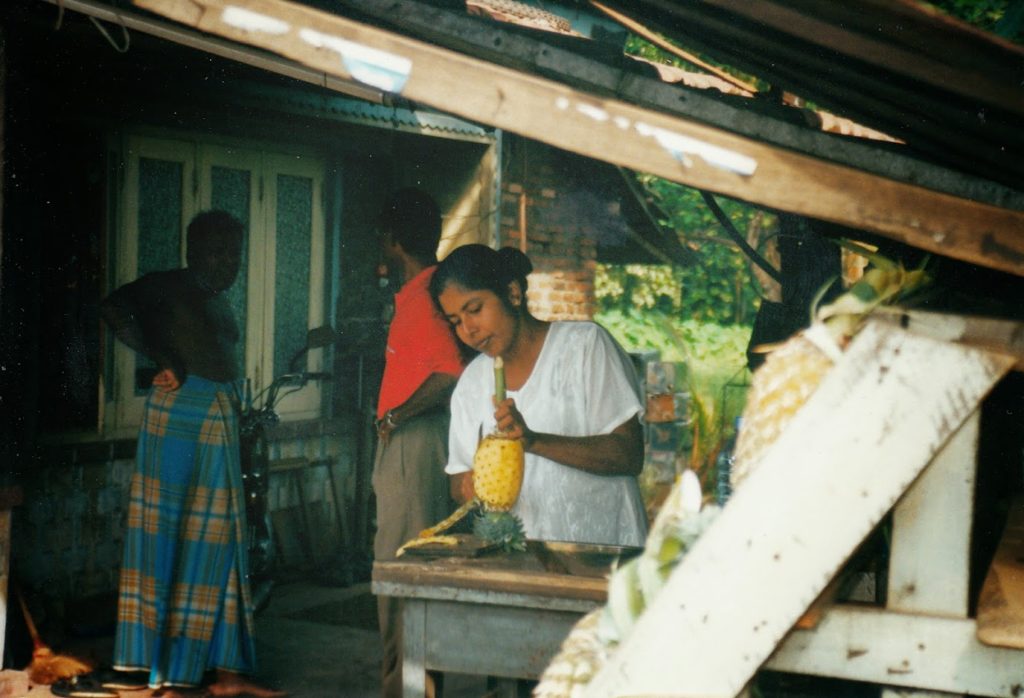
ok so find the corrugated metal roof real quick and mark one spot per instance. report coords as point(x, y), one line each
point(405, 118)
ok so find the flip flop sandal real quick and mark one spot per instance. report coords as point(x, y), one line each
point(122, 680)
point(84, 686)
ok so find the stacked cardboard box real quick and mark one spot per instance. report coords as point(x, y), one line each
point(667, 419)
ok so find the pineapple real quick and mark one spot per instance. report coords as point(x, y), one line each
point(498, 466)
point(631, 587)
point(498, 471)
point(792, 372)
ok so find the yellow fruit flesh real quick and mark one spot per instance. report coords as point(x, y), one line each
point(498, 472)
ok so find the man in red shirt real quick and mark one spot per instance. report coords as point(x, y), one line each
point(421, 367)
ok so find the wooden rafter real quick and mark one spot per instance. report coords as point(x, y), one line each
point(607, 129)
point(491, 41)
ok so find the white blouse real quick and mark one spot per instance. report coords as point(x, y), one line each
point(583, 384)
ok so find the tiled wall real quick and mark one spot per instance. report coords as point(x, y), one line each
point(67, 534)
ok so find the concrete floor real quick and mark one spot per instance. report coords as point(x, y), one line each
point(317, 640)
point(312, 640)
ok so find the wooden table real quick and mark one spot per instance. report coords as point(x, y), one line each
point(500, 614)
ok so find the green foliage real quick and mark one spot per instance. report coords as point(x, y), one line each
point(713, 353)
point(716, 359)
point(718, 289)
point(641, 48)
point(984, 14)
point(697, 315)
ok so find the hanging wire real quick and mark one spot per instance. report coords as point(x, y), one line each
point(730, 229)
point(109, 38)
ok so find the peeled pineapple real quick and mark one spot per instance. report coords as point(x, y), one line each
point(498, 471)
point(498, 466)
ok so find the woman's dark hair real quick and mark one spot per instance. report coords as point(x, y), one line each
point(478, 267)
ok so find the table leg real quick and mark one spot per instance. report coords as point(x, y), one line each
point(414, 646)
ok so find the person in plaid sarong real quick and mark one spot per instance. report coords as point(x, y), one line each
point(184, 605)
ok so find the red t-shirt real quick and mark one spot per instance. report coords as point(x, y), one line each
point(420, 342)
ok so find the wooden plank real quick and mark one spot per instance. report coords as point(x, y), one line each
point(869, 430)
point(795, 43)
point(547, 571)
point(427, 579)
point(992, 334)
point(642, 139)
point(1001, 605)
point(929, 559)
point(899, 649)
point(224, 49)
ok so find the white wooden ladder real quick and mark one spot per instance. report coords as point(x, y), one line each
point(896, 420)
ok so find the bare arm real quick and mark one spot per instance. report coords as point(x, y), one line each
point(461, 486)
point(123, 312)
point(434, 392)
point(121, 316)
point(620, 452)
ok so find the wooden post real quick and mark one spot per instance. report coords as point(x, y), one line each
point(931, 532)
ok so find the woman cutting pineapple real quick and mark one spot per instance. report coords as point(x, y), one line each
point(572, 400)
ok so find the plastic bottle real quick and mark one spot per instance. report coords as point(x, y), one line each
point(723, 465)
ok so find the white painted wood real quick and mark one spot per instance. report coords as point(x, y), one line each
point(929, 563)
point(876, 421)
point(888, 692)
point(414, 639)
point(899, 649)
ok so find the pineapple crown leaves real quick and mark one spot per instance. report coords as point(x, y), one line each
point(886, 282)
point(633, 586)
point(501, 527)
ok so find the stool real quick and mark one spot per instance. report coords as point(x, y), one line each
point(294, 467)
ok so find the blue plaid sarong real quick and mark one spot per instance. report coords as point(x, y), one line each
point(184, 604)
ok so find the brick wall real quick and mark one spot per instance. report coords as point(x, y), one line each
point(548, 198)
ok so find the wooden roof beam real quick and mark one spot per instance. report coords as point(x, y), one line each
point(607, 129)
point(493, 42)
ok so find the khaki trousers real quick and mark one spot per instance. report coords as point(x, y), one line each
point(412, 494)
